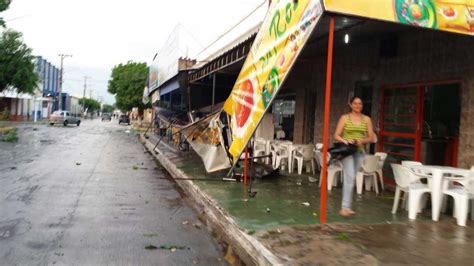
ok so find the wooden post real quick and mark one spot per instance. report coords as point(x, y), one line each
point(327, 105)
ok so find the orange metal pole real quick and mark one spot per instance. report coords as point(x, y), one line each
point(246, 165)
point(327, 105)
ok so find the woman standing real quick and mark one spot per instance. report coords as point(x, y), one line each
point(353, 128)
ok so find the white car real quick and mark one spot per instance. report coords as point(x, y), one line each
point(63, 117)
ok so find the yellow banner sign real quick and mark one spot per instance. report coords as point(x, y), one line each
point(447, 15)
point(283, 34)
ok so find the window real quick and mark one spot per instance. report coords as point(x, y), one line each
point(283, 110)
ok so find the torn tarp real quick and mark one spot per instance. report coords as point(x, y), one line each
point(205, 137)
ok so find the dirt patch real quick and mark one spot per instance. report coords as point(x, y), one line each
point(419, 242)
point(373, 244)
point(174, 202)
point(314, 245)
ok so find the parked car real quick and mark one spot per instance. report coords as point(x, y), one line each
point(124, 119)
point(63, 117)
point(106, 117)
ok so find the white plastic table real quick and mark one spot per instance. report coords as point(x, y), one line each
point(437, 175)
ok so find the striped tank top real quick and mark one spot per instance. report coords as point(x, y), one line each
point(353, 131)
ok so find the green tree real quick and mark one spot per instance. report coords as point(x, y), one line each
point(107, 108)
point(3, 6)
point(90, 104)
point(126, 83)
point(17, 68)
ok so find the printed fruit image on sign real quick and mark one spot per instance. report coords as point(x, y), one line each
point(244, 106)
point(447, 15)
point(420, 13)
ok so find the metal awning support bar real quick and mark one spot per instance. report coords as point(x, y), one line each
point(213, 91)
point(327, 105)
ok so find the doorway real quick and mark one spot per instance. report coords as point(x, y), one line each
point(283, 109)
point(420, 122)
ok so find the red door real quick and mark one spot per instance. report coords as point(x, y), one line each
point(400, 125)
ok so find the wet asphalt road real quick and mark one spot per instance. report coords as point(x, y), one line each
point(92, 196)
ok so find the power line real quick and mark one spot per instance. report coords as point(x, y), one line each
point(17, 18)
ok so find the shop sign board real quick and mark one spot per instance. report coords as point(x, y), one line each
point(447, 15)
point(155, 96)
point(283, 34)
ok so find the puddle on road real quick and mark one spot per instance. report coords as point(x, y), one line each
point(11, 228)
point(24, 194)
point(36, 245)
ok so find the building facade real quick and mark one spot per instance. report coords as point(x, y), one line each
point(48, 85)
point(417, 85)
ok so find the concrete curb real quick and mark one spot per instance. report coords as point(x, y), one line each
point(248, 248)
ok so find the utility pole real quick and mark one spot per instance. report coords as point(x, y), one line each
point(61, 79)
point(90, 94)
point(84, 94)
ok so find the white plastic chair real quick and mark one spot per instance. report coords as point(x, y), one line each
point(411, 163)
point(333, 171)
point(273, 151)
point(409, 182)
point(319, 146)
point(368, 169)
point(281, 155)
point(259, 149)
point(425, 198)
point(461, 194)
point(305, 154)
point(382, 157)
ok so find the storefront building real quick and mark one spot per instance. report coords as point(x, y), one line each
point(48, 85)
point(417, 84)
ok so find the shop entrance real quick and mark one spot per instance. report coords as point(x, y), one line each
point(420, 122)
point(284, 114)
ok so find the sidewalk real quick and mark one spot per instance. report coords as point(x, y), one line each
point(277, 219)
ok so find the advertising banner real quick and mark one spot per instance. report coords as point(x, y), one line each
point(205, 137)
point(146, 93)
point(283, 34)
point(153, 76)
point(165, 65)
point(447, 15)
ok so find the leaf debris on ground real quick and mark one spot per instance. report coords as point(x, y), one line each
point(151, 247)
point(172, 248)
point(150, 234)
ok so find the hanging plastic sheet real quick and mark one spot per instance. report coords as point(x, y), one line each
point(205, 137)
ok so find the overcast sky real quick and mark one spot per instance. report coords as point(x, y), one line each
point(102, 33)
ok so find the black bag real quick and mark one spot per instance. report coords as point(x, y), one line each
point(340, 151)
